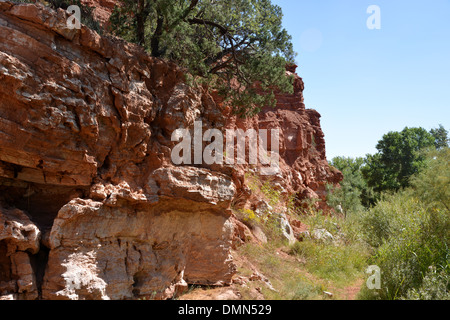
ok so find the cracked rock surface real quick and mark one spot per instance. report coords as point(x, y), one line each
point(91, 206)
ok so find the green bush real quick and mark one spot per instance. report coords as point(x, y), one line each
point(249, 217)
point(410, 232)
point(273, 195)
point(353, 192)
point(387, 219)
point(434, 287)
point(432, 186)
point(405, 258)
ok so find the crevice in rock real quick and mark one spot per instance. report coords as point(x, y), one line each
point(40, 202)
point(39, 264)
point(139, 281)
point(7, 283)
point(5, 263)
point(106, 165)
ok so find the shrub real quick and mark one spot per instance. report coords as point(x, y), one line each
point(387, 219)
point(249, 217)
point(432, 185)
point(410, 231)
point(405, 259)
point(353, 192)
point(273, 195)
point(434, 287)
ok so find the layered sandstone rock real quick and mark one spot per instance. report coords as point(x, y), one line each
point(85, 140)
point(304, 170)
point(19, 239)
point(102, 10)
point(91, 205)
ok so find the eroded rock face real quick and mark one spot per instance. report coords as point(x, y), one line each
point(19, 239)
point(304, 170)
point(91, 205)
point(85, 143)
point(131, 252)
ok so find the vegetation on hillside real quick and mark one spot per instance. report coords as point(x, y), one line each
point(407, 222)
point(391, 210)
point(311, 269)
point(403, 230)
point(400, 156)
point(238, 47)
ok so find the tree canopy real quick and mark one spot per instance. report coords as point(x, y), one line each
point(239, 47)
point(441, 137)
point(399, 157)
point(353, 192)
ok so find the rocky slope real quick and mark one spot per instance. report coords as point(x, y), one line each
point(91, 205)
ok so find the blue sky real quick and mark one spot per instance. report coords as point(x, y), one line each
point(364, 82)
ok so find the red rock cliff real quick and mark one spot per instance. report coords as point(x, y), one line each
point(304, 170)
point(91, 206)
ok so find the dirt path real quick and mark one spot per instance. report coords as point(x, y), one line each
point(351, 292)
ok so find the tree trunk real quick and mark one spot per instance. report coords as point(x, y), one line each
point(156, 52)
point(140, 22)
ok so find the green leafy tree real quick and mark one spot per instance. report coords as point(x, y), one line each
point(353, 192)
point(441, 137)
point(432, 185)
point(238, 47)
point(399, 157)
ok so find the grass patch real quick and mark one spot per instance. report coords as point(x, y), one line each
point(286, 275)
point(339, 263)
point(306, 269)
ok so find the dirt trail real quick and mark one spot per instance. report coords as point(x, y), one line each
point(351, 292)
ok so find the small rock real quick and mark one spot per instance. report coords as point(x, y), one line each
point(240, 280)
point(303, 235)
point(256, 276)
point(262, 208)
point(286, 229)
point(259, 234)
point(8, 297)
point(322, 234)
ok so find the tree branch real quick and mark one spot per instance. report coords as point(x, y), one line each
point(222, 29)
point(220, 66)
point(227, 51)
